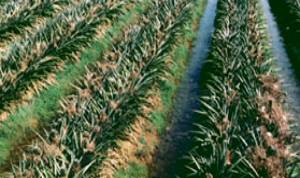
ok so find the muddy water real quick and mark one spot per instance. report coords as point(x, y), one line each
point(285, 70)
point(178, 139)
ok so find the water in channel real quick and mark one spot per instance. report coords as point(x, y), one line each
point(285, 70)
point(178, 139)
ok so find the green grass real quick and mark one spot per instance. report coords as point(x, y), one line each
point(133, 170)
point(41, 110)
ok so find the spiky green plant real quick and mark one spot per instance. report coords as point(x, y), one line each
point(295, 6)
point(37, 56)
point(237, 122)
point(109, 97)
point(16, 15)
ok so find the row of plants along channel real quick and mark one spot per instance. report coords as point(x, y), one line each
point(242, 128)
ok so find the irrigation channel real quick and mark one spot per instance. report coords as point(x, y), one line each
point(177, 140)
point(286, 71)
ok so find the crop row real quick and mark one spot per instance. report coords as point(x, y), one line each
point(28, 63)
point(242, 129)
point(15, 15)
point(109, 97)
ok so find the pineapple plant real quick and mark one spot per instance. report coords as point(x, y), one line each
point(28, 63)
point(15, 15)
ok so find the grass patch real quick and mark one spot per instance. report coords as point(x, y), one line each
point(133, 170)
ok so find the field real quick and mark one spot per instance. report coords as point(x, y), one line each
point(142, 88)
